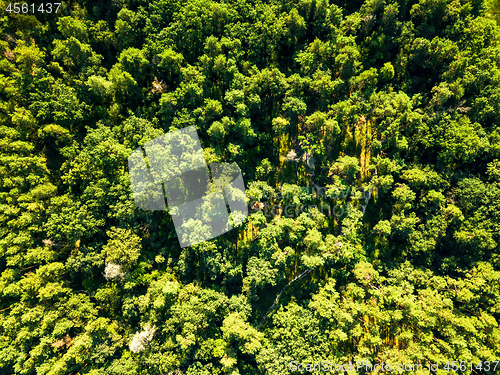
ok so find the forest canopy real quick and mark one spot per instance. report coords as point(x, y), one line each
point(387, 111)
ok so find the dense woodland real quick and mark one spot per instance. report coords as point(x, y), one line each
point(397, 98)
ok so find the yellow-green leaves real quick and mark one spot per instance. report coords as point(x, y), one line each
point(123, 247)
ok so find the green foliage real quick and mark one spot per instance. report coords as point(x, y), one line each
point(123, 247)
point(368, 135)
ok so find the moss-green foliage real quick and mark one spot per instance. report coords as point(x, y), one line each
point(387, 111)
